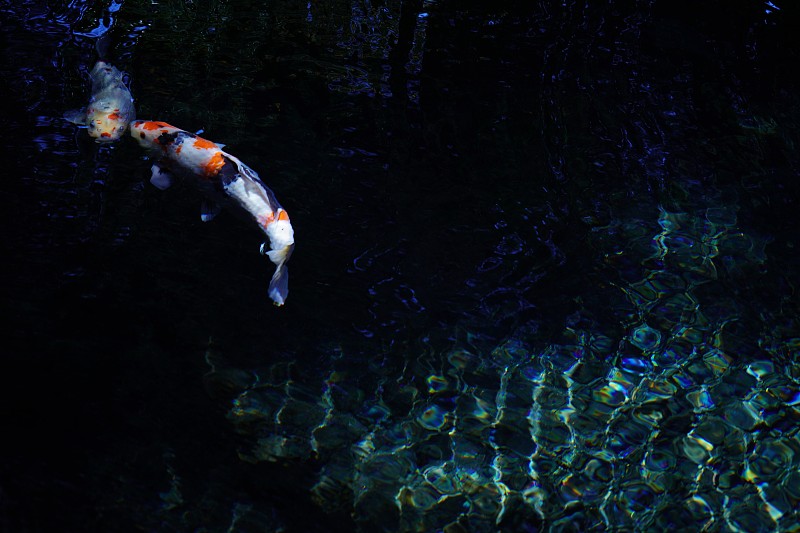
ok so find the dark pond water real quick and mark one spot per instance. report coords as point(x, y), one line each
point(545, 278)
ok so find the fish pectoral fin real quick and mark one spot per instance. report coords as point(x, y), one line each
point(160, 178)
point(76, 116)
point(208, 210)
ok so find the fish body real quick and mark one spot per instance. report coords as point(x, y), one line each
point(110, 108)
point(180, 151)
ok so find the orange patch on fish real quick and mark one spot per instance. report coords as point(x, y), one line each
point(283, 215)
point(113, 116)
point(201, 143)
point(265, 220)
point(105, 134)
point(155, 125)
point(214, 164)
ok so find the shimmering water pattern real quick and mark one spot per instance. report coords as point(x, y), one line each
point(669, 421)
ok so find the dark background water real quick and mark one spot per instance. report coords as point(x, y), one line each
point(497, 183)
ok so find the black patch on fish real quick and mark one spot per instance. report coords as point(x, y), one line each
point(165, 139)
point(228, 172)
point(142, 135)
point(175, 139)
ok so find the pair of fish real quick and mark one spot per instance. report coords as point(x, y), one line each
point(219, 174)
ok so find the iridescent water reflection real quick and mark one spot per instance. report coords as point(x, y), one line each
point(527, 435)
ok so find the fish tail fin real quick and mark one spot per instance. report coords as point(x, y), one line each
point(279, 284)
point(102, 46)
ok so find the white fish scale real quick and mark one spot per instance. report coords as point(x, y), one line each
point(194, 159)
point(254, 204)
point(190, 157)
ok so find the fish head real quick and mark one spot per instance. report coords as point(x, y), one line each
point(147, 132)
point(280, 232)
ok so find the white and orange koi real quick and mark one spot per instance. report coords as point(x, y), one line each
point(177, 150)
point(110, 108)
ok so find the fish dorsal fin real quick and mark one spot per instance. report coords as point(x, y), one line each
point(201, 131)
point(248, 172)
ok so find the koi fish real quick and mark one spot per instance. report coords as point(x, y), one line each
point(218, 172)
point(110, 108)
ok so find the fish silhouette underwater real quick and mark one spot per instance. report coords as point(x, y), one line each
point(110, 108)
point(219, 174)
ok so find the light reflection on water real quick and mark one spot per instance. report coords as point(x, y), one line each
point(524, 434)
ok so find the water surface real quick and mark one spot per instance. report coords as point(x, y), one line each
point(545, 275)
